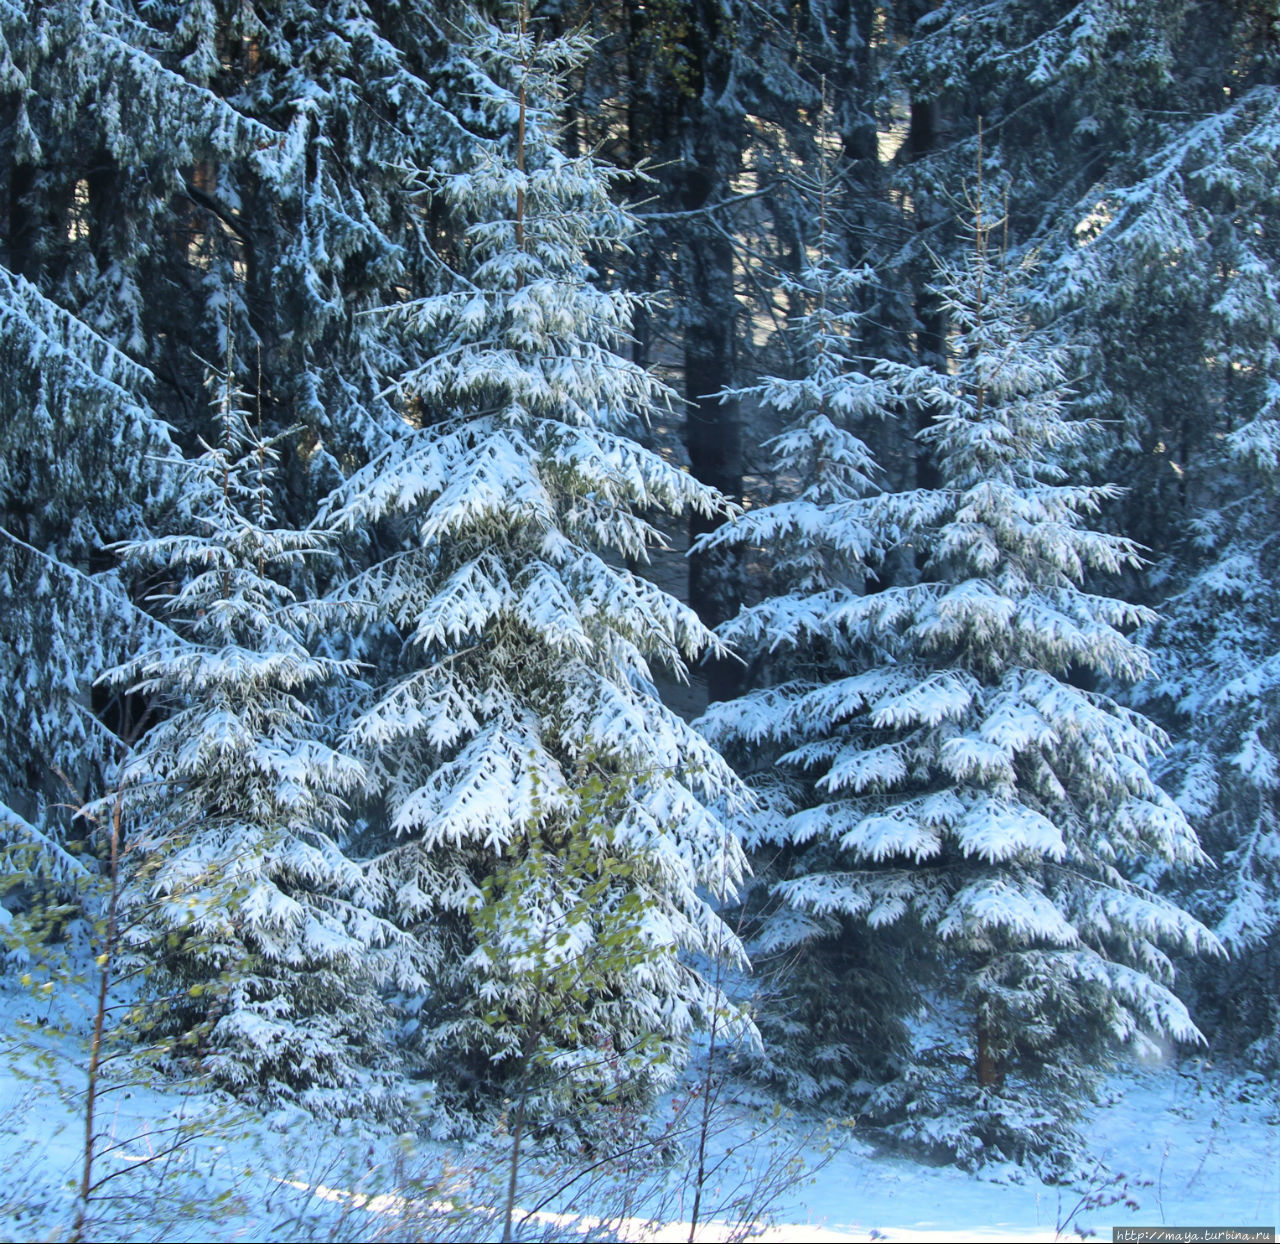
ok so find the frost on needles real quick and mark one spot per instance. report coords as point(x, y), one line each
point(253, 927)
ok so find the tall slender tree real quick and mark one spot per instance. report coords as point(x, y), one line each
point(817, 546)
point(247, 916)
point(523, 678)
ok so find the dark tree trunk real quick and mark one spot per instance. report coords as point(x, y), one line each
point(713, 435)
point(712, 143)
point(989, 1072)
point(22, 226)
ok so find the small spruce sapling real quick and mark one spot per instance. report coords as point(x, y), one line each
point(232, 802)
point(562, 929)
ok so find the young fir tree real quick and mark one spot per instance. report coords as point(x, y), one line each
point(522, 757)
point(253, 925)
point(955, 776)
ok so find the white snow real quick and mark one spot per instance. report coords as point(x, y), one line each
point(1188, 1144)
point(1182, 1142)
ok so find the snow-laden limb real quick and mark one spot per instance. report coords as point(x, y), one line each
point(1217, 688)
point(54, 858)
point(1182, 240)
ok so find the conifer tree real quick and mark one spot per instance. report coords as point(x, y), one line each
point(523, 678)
point(956, 778)
point(250, 921)
point(176, 179)
point(821, 544)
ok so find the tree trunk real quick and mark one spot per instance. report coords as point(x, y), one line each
point(712, 143)
point(987, 1066)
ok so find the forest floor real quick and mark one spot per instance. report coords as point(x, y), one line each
point(1182, 1143)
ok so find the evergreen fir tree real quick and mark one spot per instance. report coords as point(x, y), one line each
point(957, 778)
point(252, 923)
point(1216, 686)
point(524, 675)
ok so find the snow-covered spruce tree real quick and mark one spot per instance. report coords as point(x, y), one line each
point(522, 682)
point(1218, 687)
point(240, 906)
point(178, 176)
point(1178, 266)
point(957, 784)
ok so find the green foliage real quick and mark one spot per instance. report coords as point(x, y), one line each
point(561, 931)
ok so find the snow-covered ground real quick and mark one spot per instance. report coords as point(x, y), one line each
point(1181, 1146)
point(1177, 1144)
